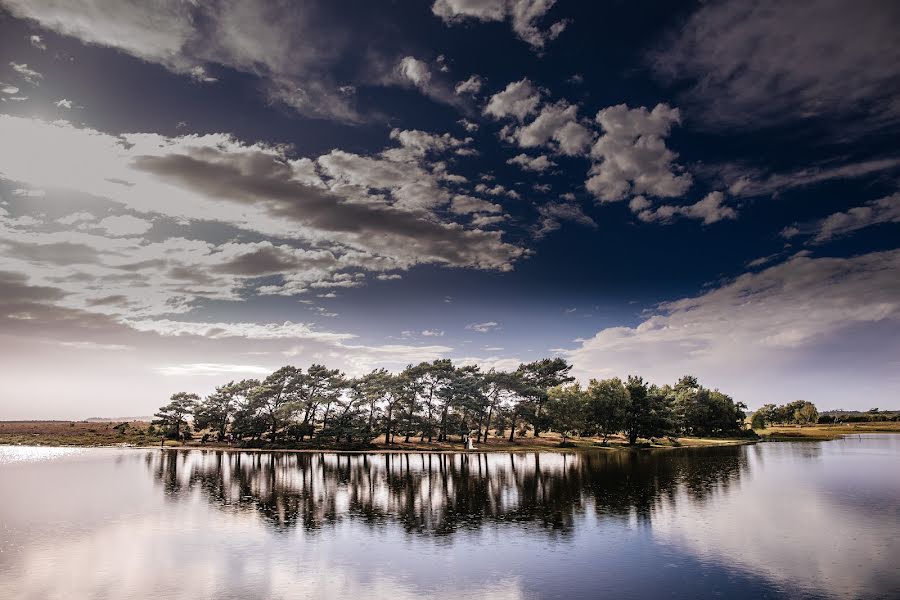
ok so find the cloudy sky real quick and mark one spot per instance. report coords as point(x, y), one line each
point(197, 192)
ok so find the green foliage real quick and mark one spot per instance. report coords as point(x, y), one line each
point(436, 399)
point(172, 416)
point(799, 412)
point(607, 401)
point(648, 412)
point(703, 412)
point(567, 409)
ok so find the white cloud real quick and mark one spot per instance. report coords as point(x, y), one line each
point(743, 181)
point(788, 325)
point(557, 122)
point(465, 205)
point(200, 75)
point(536, 163)
point(8, 89)
point(83, 345)
point(255, 331)
point(63, 103)
point(212, 369)
point(523, 15)
point(882, 210)
point(482, 327)
point(29, 75)
point(415, 70)
point(432, 333)
point(369, 212)
point(124, 225)
point(286, 45)
point(632, 157)
point(472, 85)
point(519, 99)
point(709, 210)
point(37, 41)
point(411, 70)
point(553, 213)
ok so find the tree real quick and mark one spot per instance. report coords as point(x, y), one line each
point(806, 413)
point(172, 415)
point(647, 413)
point(430, 380)
point(275, 399)
point(536, 378)
point(566, 409)
point(607, 401)
point(217, 410)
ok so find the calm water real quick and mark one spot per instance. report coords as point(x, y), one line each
point(792, 520)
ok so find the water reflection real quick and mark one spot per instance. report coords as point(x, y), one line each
point(439, 494)
point(805, 520)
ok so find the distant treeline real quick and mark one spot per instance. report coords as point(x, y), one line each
point(436, 400)
point(799, 412)
point(873, 415)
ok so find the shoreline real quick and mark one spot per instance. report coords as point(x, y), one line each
point(80, 434)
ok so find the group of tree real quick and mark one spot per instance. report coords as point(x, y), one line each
point(798, 412)
point(436, 401)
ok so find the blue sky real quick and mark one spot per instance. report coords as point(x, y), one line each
point(192, 193)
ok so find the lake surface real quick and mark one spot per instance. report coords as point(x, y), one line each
point(774, 520)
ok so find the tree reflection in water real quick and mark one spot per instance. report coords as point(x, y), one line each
point(438, 494)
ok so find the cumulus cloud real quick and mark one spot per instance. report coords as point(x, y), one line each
point(631, 155)
point(711, 209)
point(418, 73)
point(200, 75)
point(522, 14)
point(766, 62)
point(519, 99)
point(791, 324)
point(557, 123)
point(471, 86)
point(37, 41)
point(532, 163)
point(63, 103)
point(465, 205)
point(876, 212)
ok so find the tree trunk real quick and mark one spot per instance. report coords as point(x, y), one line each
point(512, 428)
point(487, 425)
point(387, 433)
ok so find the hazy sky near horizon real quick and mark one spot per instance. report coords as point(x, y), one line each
point(192, 193)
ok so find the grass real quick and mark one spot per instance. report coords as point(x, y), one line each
point(80, 433)
point(825, 432)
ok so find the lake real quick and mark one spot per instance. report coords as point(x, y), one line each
point(772, 520)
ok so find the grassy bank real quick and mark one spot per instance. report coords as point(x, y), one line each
point(825, 432)
point(80, 433)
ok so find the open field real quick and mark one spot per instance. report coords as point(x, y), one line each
point(81, 433)
point(826, 432)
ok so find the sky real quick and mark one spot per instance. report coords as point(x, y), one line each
point(193, 193)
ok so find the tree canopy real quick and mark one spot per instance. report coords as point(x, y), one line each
point(441, 401)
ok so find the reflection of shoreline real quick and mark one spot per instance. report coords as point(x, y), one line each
point(793, 530)
point(440, 493)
